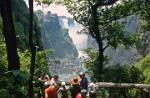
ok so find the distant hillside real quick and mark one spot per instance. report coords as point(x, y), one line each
point(121, 55)
point(144, 66)
point(56, 37)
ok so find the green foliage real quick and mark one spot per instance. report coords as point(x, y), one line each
point(3, 58)
point(116, 74)
point(41, 65)
point(3, 53)
point(21, 22)
point(123, 73)
point(144, 66)
point(115, 36)
point(90, 64)
point(42, 62)
point(4, 93)
point(25, 60)
point(104, 24)
point(13, 84)
point(144, 25)
point(21, 37)
point(110, 28)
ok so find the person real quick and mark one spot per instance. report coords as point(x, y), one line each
point(84, 81)
point(75, 87)
point(47, 82)
point(82, 94)
point(93, 89)
point(43, 83)
point(55, 79)
point(63, 90)
point(51, 91)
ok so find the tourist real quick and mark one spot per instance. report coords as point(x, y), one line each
point(51, 91)
point(47, 82)
point(55, 79)
point(82, 94)
point(63, 90)
point(84, 81)
point(75, 87)
point(43, 83)
point(93, 88)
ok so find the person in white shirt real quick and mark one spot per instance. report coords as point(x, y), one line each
point(93, 90)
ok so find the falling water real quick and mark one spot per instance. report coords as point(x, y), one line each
point(80, 40)
point(70, 68)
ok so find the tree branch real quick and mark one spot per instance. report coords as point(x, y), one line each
point(109, 2)
point(105, 47)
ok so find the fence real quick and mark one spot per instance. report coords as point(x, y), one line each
point(143, 88)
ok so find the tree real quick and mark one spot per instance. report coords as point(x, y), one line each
point(32, 48)
point(144, 23)
point(116, 74)
point(31, 44)
point(101, 20)
point(9, 34)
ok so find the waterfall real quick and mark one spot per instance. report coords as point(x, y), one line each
point(80, 40)
point(70, 67)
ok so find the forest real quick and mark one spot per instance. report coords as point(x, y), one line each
point(24, 57)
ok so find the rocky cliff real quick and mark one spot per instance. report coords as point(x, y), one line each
point(55, 36)
point(121, 55)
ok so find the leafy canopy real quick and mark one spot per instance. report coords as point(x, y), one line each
point(111, 29)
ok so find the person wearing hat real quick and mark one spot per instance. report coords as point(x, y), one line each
point(75, 87)
point(84, 81)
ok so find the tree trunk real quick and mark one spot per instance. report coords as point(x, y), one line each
point(100, 57)
point(95, 29)
point(32, 48)
point(32, 72)
point(97, 34)
point(9, 34)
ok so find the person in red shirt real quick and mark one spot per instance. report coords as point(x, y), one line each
point(82, 94)
point(51, 91)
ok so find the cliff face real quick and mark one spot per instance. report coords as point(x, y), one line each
point(121, 55)
point(56, 37)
